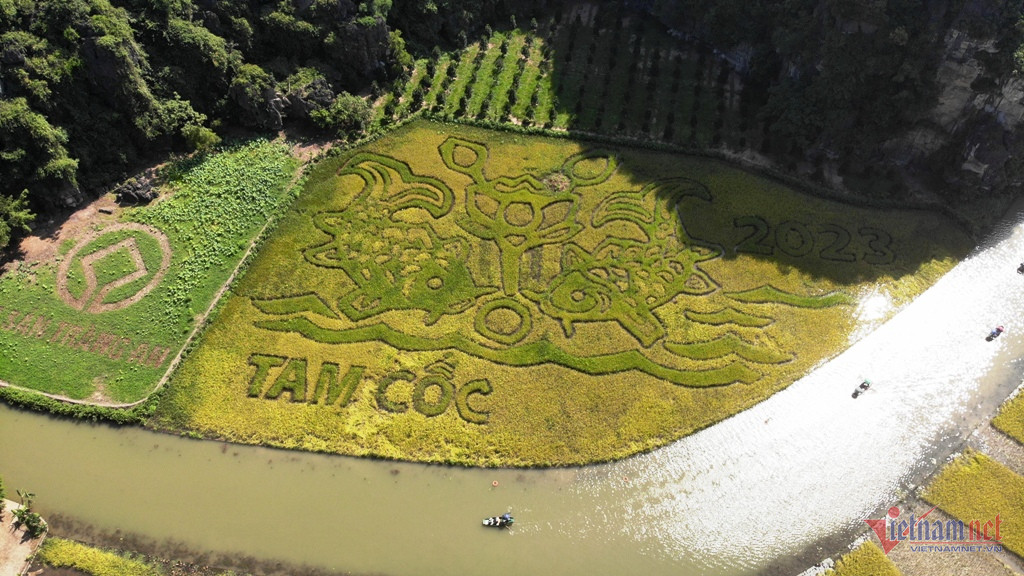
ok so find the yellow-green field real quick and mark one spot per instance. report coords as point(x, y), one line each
point(449, 294)
point(866, 560)
point(976, 489)
point(1011, 418)
point(61, 553)
point(92, 561)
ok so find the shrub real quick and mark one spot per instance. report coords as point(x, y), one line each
point(14, 217)
point(200, 138)
point(33, 523)
point(346, 117)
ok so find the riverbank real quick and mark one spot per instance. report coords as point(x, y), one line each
point(987, 440)
point(16, 548)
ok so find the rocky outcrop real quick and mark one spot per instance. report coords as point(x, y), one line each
point(136, 191)
point(359, 52)
point(315, 95)
point(257, 97)
point(967, 142)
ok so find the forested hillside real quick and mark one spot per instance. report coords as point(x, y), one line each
point(91, 88)
point(883, 97)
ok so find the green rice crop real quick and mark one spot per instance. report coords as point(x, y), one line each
point(112, 343)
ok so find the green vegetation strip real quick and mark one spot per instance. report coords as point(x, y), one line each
point(62, 553)
point(976, 488)
point(1011, 418)
point(866, 560)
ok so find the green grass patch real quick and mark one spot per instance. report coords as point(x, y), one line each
point(866, 560)
point(497, 106)
point(464, 72)
point(451, 294)
point(543, 113)
point(438, 82)
point(1011, 418)
point(62, 553)
point(484, 79)
point(976, 489)
point(408, 102)
point(522, 110)
point(104, 320)
point(382, 111)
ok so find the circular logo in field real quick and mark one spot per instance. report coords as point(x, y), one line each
point(113, 268)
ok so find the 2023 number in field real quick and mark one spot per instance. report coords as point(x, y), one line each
point(829, 241)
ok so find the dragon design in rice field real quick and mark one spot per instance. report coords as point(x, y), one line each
point(508, 268)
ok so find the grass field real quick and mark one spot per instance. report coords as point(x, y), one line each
point(458, 295)
point(976, 488)
point(103, 320)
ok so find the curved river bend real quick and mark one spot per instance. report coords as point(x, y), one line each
point(771, 489)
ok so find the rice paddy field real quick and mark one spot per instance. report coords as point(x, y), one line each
point(982, 493)
point(1011, 418)
point(865, 560)
point(453, 294)
point(102, 320)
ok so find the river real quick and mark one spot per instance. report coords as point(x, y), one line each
point(773, 489)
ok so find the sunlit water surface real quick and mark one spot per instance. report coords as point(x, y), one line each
point(773, 489)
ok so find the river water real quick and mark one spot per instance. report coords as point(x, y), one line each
point(771, 490)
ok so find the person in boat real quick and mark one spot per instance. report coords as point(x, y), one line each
point(995, 333)
point(1020, 269)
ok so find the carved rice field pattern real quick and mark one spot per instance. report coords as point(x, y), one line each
point(503, 261)
point(452, 294)
point(90, 255)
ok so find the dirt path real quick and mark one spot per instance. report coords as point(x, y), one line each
point(15, 546)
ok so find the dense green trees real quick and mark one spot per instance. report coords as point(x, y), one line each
point(835, 78)
point(90, 89)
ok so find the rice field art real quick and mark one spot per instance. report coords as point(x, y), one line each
point(101, 318)
point(450, 294)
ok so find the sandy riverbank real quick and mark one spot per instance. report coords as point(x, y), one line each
point(15, 547)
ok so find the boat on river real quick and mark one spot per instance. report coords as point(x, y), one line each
point(502, 521)
point(862, 388)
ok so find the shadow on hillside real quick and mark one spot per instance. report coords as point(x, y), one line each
point(618, 74)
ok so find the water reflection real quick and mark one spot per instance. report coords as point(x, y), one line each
point(812, 461)
point(739, 498)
